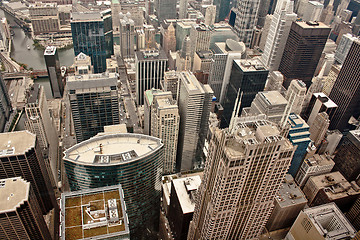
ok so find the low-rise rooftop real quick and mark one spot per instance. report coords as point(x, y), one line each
point(289, 193)
point(185, 189)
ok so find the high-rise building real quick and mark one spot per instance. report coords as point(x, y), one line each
point(82, 64)
point(182, 204)
point(224, 54)
point(278, 34)
point(295, 95)
point(105, 209)
point(347, 156)
point(247, 76)
point(194, 108)
point(133, 160)
point(353, 215)
point(182, 29)
point(345, 93)
point(302, 51)
point(274, 81)
point(323, 222)
point(344, 46)
point(234, 199)
point(94, 103)
point(313, 11)
point(331, 78)
point(5, 105)
point(20, 212)
point(222, 9)
point(265, 31)
point(164, 123)
point(44, 18)
point(319, 102)
point(127, 36)
point(245, 19)
point(53, 69)
point(92, 34)
point(299, 135)
point(171, 83)
point(210, 15)
point(313, 166)
point(319, 128)
point(150, 68)
point(199, 39)
point(169, 40)
point(288, 203)
point(39, 122)
point(165, 9)
point(21, 157)
point(327, 14)
point(183, 5)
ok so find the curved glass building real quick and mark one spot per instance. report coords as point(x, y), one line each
point(133, 160)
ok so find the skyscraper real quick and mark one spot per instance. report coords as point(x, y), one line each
point(245, 167)
point(346, 93)
point(199, 39)
point(5, 105)
point(127, 36)
point(344, 46)
point(295, 95)
point(278, 34)
point(313, 11)
point(319, 128)
point(39, 122)
point(20, 212)
point(94, 103)
point(222, 9)
point(194, 108)
point(248, 77)
point(245, 20)
point(92, 34)
point(150, 68)
point(183, 9)
point(169, 40)
point(165, 9)
point(302, 51)
point(210, 15)
point(133, 160)
point(53, 68)
point(22, 157)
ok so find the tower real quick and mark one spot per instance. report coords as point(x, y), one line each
point(302, 51)
point(194, 108)
point(165, 9)
point(210, 15)
point(183, 9)
point(98, 46)
point(319, 128)
point(170, 39)
point(235, 199)
point(53, 69)
point(296, 95)
point(199, 39)
point(278, 34)
point(127, 34)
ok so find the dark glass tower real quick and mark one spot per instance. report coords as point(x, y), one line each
point(222, 9)
point(165, 9)
point(248, 77)
point(302, 51)
point(53, 68)
point(93, 35)
point(346, 90)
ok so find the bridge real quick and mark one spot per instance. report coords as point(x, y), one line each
point(39, 73)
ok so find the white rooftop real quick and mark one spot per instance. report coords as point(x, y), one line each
point(13, 193)
point(185, 189)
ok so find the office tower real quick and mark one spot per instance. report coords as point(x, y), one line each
point(295, 95)
point(299, 135)
point(224, 54)
point(233, 200)
point(331, 141)
point(182, 205)
point(278, 34)
point(302, 51)
point(288, 203)
point(265, 31)
point(347, 156)
point(22, 157)
point(137, 10)
point(313, 11)
point(199, 39)
point(274, 81)
point(344, 46)
point(104, 207)
point(150, 68)
point(210, 15)
point(5, 105)
point(319, 102)
point(171, 83)
point(327, 14)
point(98, 46)
point(140, 39)
point(20, 212)
point(182, 29)
point(94, 103)
point(270, 103)
point(202, 61)
point(39, 122)
point(165, 9)
point(82, 64)
point(245, 20)
point(127, 35)
point(183, 9)
point(331, 78)
point(161, 119)
point(314, 166)
point(44, 18)
point(247, 76)
point(222, 9)
point(183, 58)
point(323, 222)
point(331, 187)
point(169, 40)
point(53, 69)
point(132, 160)
point(345, 93)
point(194, 108)
point(319, 128)
point(353, 215)
point(264, 9)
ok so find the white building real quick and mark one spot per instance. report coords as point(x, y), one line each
point(210, 15)
point(344, 47)
point(313, 11)
point(296, 95)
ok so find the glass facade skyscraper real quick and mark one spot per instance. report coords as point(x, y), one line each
point(93, 35)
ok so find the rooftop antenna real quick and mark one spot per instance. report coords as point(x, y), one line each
point(235, 112)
